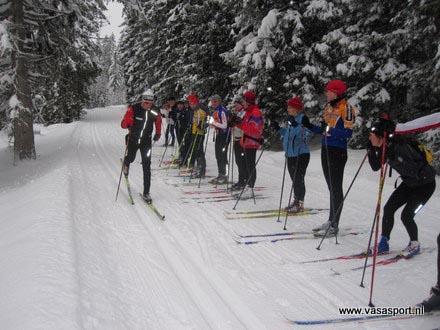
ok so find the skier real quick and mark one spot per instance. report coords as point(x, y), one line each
point(237, 133)
point(418, 181)
point(336, 127)
point(185, 126)
point(181, 121)
point(433, 302)
point(220, 124)
point(198, 130)
point(139, 120)
point(295, 144)
point(172, 120)
point(252, 126)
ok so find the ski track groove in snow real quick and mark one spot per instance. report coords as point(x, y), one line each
point(129, 270)
point(199, 297)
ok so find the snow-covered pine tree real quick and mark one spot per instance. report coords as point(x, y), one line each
point(100, 93)
point(116, 86)
point(48, 47)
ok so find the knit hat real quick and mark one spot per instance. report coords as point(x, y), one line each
point(192, 99)
point(215, 97)
point(295, 102)
point(336, 86)
point(382, 125)
point(249, 97)
point(148, 95)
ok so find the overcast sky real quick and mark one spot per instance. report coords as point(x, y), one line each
point(114, 15)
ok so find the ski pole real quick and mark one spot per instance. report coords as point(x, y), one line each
point(291, 191)
point(282, 189)
point(249, 179)
point(282, 184)
point(343, 199)
point(383, 169)
point(122, 167)
point(163, 155)
point(187, 150)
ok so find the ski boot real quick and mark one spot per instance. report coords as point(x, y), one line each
point(332, 232)
point(324, 227)
point(433, 302)
point(222, 179)
point(411, 250)
point(237, 186)
point(295, 207)
point(125, 169)
point(147, 198)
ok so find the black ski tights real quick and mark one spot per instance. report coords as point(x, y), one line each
point(146, 161)
point(333, 162)
point(414, 198)
point(297, 167)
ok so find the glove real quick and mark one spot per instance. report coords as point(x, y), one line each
point(323, 126)
point(291, 121)
point(306, 122)
point(275, 126)
point(156, 137)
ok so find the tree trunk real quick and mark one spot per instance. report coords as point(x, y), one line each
point(24, 146)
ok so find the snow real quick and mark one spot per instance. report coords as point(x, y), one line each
point(74, 258)
point(5, 43)
point(269, 62)
point(268, 24)
point(391, 69)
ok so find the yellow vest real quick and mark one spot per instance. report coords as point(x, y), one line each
point(199, 122)
point(342, 110)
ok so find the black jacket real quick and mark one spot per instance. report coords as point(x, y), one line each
point(404, 156)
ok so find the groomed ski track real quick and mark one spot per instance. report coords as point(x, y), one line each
point(74, 258)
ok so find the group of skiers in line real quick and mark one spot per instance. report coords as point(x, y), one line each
point(191, 122)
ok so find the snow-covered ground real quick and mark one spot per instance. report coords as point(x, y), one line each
point(72, 257)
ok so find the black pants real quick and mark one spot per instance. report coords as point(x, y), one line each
point(240, 161)
point(333, 162)
point(170, 131)
point(221, 152)
point(251, 172)
point(197, 153)
point(185, 146)
point(297, 167)
point(145, 150)
point(414, 198)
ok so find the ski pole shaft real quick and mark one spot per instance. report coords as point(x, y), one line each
point(383, 172)
point(282, 189)
point(122, 168)
point(284, 177)
point(163, 155)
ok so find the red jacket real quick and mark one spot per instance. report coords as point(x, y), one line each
point(252, 127)
point(128, 120)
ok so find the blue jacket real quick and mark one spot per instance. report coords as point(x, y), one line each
point(295, 139)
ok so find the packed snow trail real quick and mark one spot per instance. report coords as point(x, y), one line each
point(73, 258)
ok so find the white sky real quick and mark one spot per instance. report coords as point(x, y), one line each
point(114, 15)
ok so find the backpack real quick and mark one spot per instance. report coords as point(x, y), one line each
point(426, 152)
